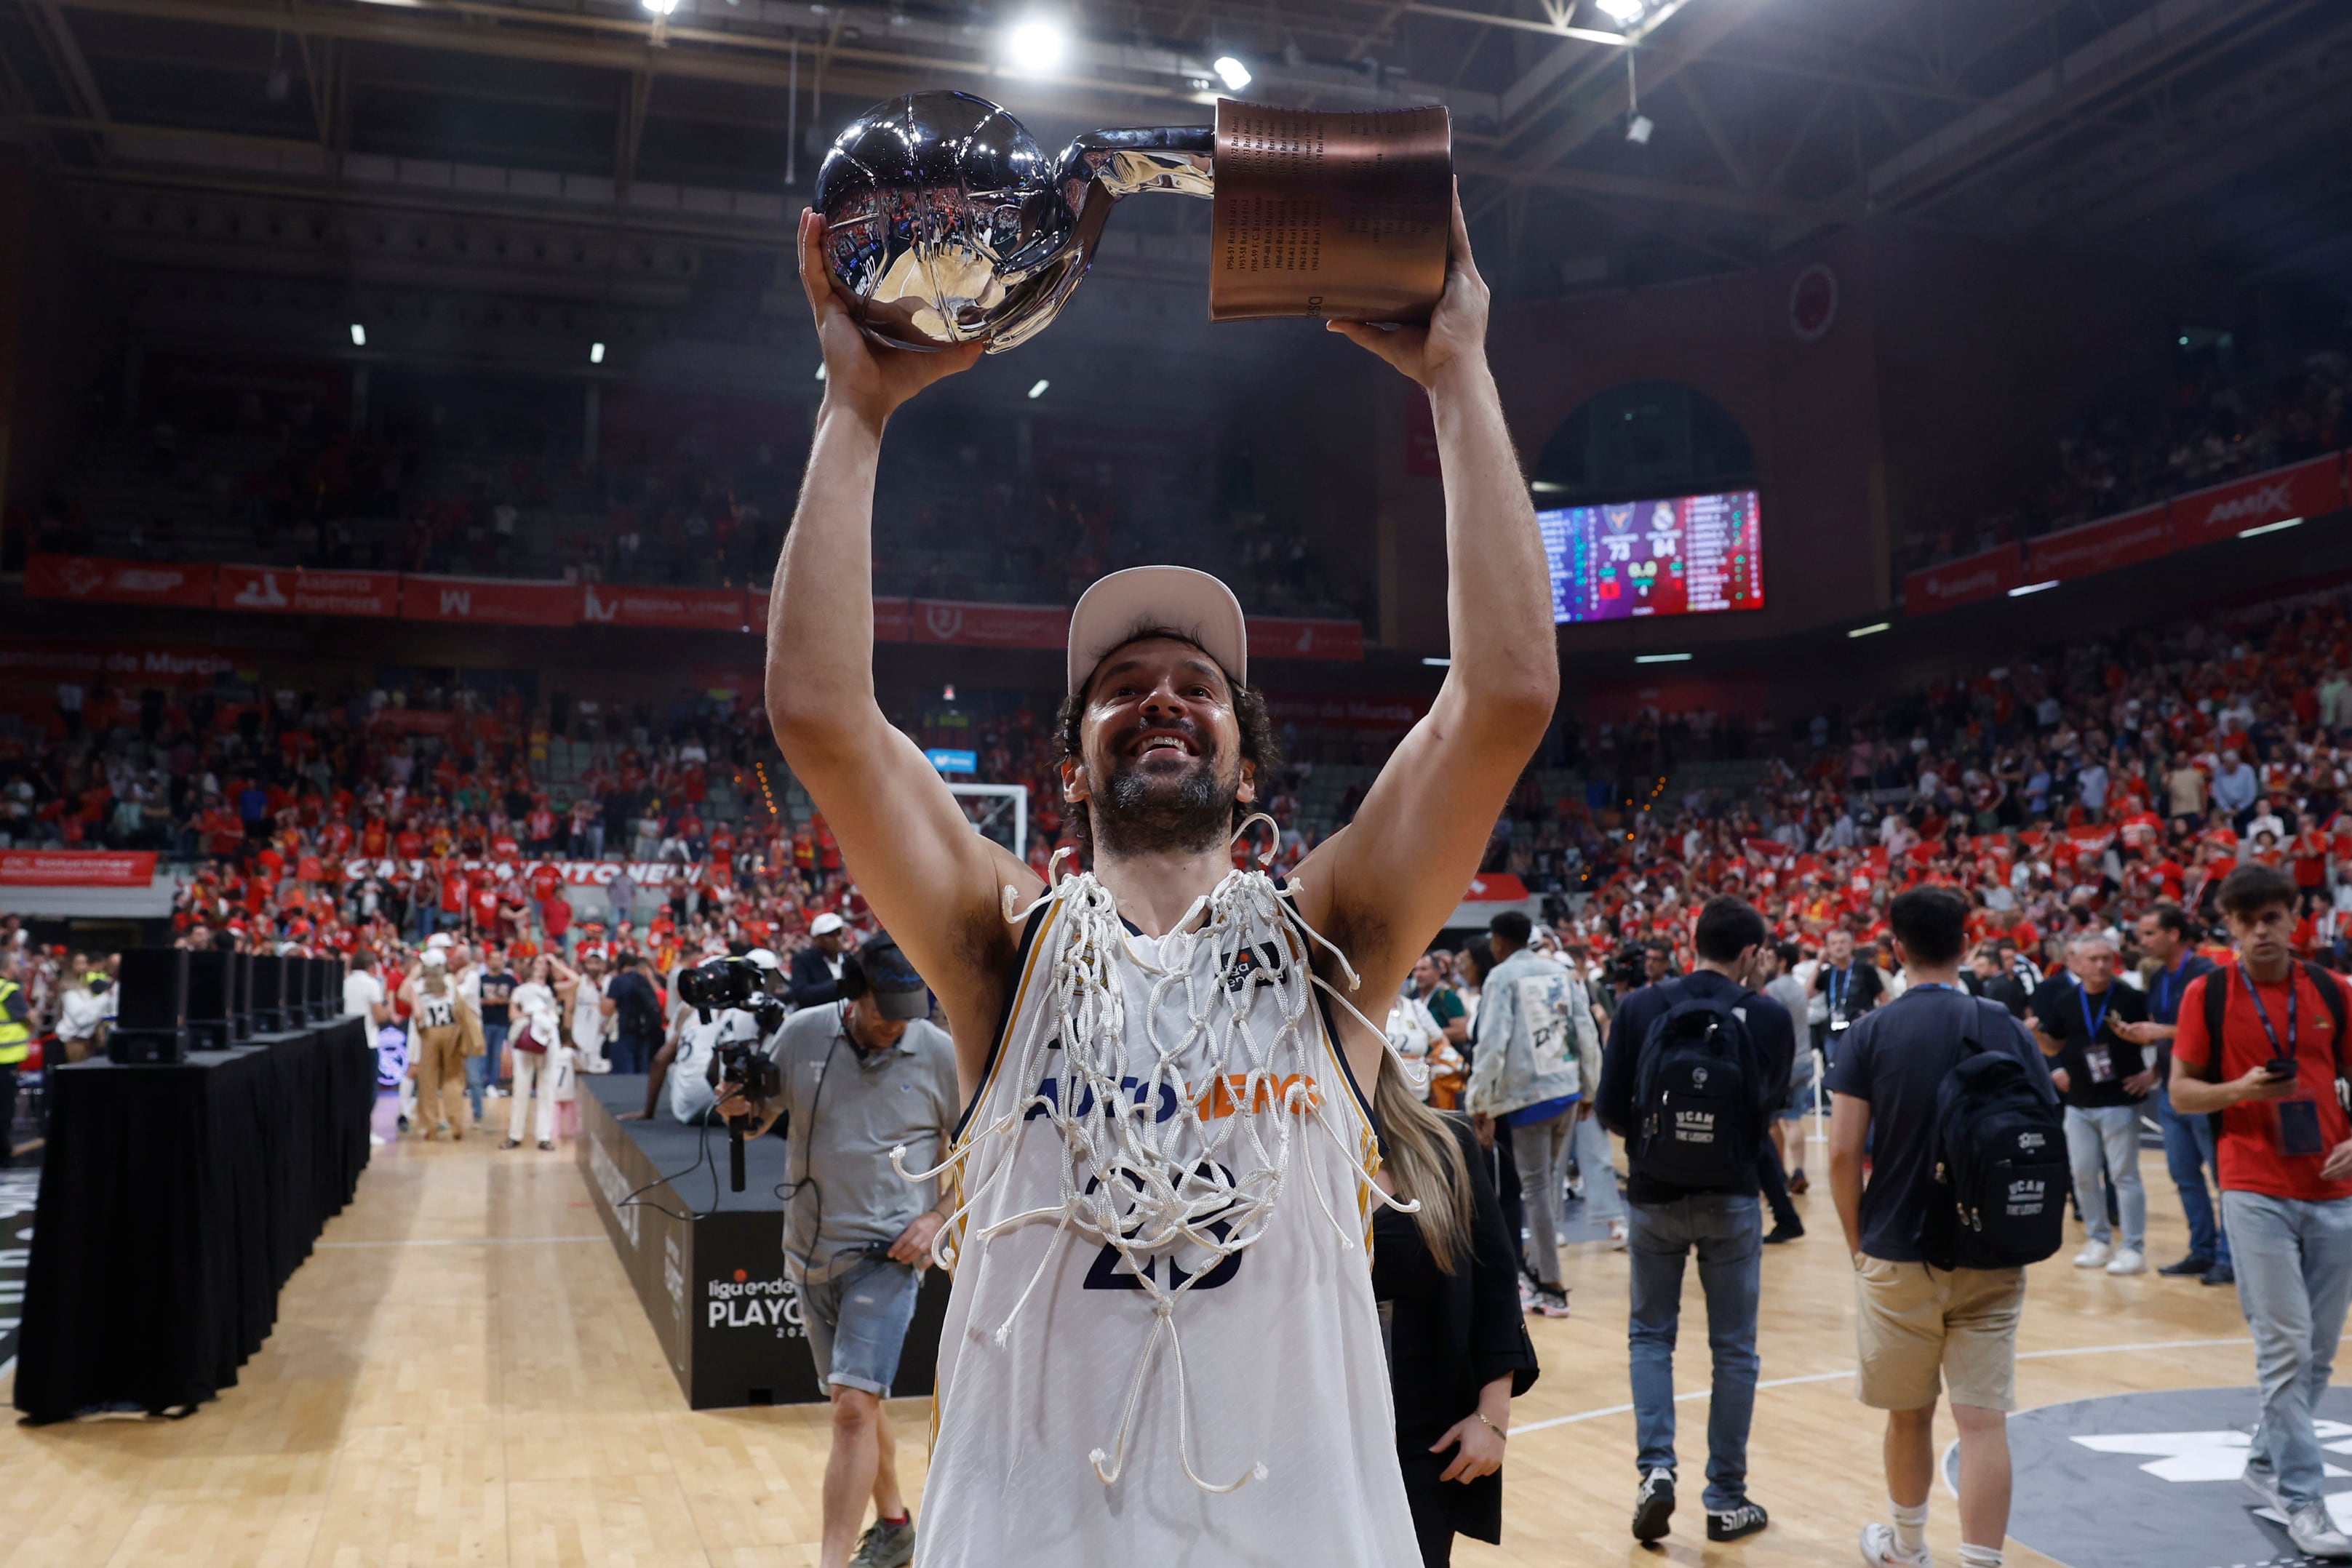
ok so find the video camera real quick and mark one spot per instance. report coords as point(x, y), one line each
point(739, 985)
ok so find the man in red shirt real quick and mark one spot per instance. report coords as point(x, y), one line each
point(2285, 1151)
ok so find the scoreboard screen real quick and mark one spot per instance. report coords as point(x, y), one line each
point(1682, 556)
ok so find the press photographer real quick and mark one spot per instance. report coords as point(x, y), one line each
point(732, 1004)
point(856, 1079)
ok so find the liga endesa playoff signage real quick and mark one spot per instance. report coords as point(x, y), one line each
point(2094, 547)
point(96, 580)
point(298, 590)
point(1963, 581)
point(77, 868)
point(2224, 511)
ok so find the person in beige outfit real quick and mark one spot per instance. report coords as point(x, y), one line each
point(442, 1014)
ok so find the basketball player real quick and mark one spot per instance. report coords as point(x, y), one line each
point(1161, 1345)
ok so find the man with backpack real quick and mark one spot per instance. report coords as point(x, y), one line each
point(2261, 1048)
point(1952, 1100)
point(1695, 1069)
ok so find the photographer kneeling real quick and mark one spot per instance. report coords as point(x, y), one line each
point(857, 1078)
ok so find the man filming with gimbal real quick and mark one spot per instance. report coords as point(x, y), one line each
point(856, 1079)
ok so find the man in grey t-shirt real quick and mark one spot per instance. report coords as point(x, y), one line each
point(858, 1078)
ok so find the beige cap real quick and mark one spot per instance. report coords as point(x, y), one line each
point(1146, 598)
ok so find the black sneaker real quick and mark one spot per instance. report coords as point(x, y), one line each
point(1731, 1524)
point(2195, 1263)
point(1653, 1505)
point(2219, 1274)
point(1782, 1234)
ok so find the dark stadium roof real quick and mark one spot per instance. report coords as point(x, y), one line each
point(576, 149)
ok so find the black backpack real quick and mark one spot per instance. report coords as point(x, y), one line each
point(1697, 1094)
point(2000, 1168)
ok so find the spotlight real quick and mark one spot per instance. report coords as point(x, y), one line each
point(1231, 72)
point(1437, 664)
point(1638, 128)
point(595, 354)
point(358, 335)
point(661, 7)
point(1035, 47)
point(2023, 590)
point(1662, 658)
point(2260, 528)
point(1625, 13)
point(1872, 630)
point(1039, 390)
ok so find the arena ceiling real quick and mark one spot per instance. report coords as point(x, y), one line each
point(589, 149)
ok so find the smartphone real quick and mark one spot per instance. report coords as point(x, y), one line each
point(2280, 1067)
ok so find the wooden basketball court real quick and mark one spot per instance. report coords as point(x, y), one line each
point(461, 1375)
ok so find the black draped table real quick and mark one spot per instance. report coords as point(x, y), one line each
point(175, 1202)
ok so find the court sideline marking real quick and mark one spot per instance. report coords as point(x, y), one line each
point(1848, 1372)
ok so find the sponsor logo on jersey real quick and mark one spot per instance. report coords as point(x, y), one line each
point(1293, 1092)
point(1261, 965)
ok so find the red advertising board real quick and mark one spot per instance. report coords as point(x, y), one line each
point(96, 580)
point(893, 618)
point(134, 667)
point(489, 601)
point(2111, 542)
point(1963, 581)
point(1277, 637)
point(1389, 715)
point(974, 625)
point(77, 868)
point(689, 609)
point(291, 590)
point(2224, 511)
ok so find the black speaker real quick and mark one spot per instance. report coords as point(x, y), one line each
point(240, 998)
point(325, 1002)
point(269, 1009)
point(208, 1001)
point(153, 1023)
point(331, 987)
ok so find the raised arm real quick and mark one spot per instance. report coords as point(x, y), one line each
point(932, 881)
point(1386, 882)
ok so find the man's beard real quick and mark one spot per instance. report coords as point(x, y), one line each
point(1138, 815)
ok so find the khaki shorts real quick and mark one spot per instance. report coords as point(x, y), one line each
point(1917, 1324)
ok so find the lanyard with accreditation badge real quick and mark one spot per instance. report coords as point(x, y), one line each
point(2099, 1058)
point(2296, 1123)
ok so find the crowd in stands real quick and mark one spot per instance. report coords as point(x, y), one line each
point(2210, 430)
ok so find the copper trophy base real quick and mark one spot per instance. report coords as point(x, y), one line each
point(1339, 215)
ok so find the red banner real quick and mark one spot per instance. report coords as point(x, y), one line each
point(1279, 637)
point(182, 666)
point(1332, 710)
point(298, 590)
point(488, 599)
point(77, 868)
point(1963, 581)
point(1495, 887)
point(2121, 540)
point(972, 625)
point(2224, 511)
point(689, 609)
point(94, 580)
point(894, 620)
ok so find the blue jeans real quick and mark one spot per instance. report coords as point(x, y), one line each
point(2295, 1275)
point(856, 1322)
point(2189, 1155)
point(1603, 1204)
point(2108, 1136)
point(631, 1054)
point(483, 1070)
point(1728, 1232)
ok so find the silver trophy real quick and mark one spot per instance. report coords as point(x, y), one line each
point(945, 224)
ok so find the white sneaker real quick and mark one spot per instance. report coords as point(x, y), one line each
point(1879, 1550)
point(2315, 1535)
point(2094, 1256)
point(2263, 1487)
point(1617, 1235)
point(2130, 1260)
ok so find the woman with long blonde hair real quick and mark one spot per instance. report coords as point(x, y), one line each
point(1446, 1281)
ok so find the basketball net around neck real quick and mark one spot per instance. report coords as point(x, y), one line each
point(1201, 1178)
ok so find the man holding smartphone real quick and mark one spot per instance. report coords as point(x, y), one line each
point(2264, 1054)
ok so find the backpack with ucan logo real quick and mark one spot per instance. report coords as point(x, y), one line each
point(2000, 1168)
point(1697, 1094)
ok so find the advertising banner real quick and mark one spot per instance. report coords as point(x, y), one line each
point(489, 601)
point(298, 590)
point(687, 608)
point(2224, 511)
point(77, 868)
point(96, 580)
point(2121, 540)
point(1963, 581)
point(1288, 637)
point(967, 624)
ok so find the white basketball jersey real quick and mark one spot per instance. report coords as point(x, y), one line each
point(1056, 1366)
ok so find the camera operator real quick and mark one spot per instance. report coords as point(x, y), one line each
point(684, 1079)
point(857, 1078)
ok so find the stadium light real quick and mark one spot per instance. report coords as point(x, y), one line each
point(1035, 47)
point(1638, 128)
point(1625, 13)
point(358, 335)
point(1872, 630)
point(661, 7)
point(1434, 662)
point(1662, 658)
point(1039, 390)
point(1546, 487)
point(1231, 72)
point(2280, 527)
point(595, 354)
point(2023, 590)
